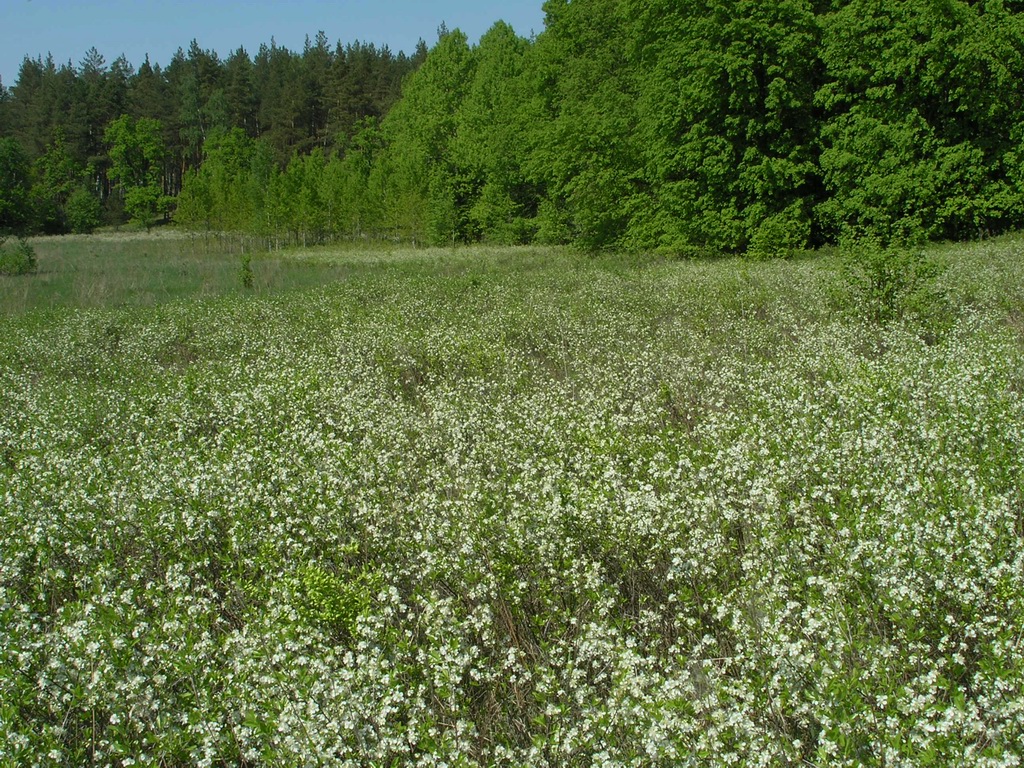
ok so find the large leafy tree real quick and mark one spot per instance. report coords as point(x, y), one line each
point(352, 206)
point(15, 203)
point(584, 150)
point(924, 101)
point(728, 121)
point(488, 146)
point(58, 177)
point(137, 154)
point(423, 193)
point(218, 195)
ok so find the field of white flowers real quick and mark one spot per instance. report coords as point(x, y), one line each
point(520, 508)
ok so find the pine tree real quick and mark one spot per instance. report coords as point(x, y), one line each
point(5, 110)
point(240, 92)
point(32, 110)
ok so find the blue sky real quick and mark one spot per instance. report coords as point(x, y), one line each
point(68, 28)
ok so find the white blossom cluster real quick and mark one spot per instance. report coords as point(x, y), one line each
point(517, 508)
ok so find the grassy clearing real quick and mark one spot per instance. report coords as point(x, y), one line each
point(148, 268)
point(519, 507)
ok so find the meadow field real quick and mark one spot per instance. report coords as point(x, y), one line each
point(510, 507)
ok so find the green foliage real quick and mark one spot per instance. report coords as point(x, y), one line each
point(19, 259)
point(353, 206)
point(194, 208)
point(779, 236)
point(552, 224)
point(886, 283)
point(137, 154)
point(83, 211)
point(488, 148)
point(422, 189)
point(142, 204)
point(337, 600)
point(726, 108)
point(679, 127)
point(220, 194)
point(585, 152)
point(136, 150)
point(58, 175)
point(15, 208)
point(922, 100)
point(245, 273)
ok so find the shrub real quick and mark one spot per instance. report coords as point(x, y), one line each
point(17, 260)
point(779, 236)
point(245, 274)
point(84, 212)
point(889, 283)
point(337, 600)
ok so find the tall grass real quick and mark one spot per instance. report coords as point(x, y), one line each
point(145, 269)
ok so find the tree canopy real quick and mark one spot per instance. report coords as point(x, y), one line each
point(688, 127)
point(289, 101)
point(15, 212)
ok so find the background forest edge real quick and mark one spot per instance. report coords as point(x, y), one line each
point(685, 127)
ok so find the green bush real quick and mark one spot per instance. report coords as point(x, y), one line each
point(336, 600)
point(779, 236)
point(84, 212)
point(245, 274)
point(889, 283)
point(17, 260)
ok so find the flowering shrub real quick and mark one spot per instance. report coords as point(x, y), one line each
point(512, 508)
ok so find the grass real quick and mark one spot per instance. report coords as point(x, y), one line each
point(514, 507)
point(149, 268)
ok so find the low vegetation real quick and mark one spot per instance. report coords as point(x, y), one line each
point(518, 507)
point(17, 259)
point(138, 268)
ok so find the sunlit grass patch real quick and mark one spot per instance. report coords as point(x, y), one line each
point(146, 269)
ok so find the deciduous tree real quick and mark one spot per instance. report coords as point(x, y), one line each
point(137, 153)
point(15, 207)
point(924, 124)
point(58, 176)
point(727, 115)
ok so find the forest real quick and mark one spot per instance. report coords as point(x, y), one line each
point(720, 126)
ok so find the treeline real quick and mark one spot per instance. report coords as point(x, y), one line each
point(683, 126)
point(720, 125)
point(63, 126)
